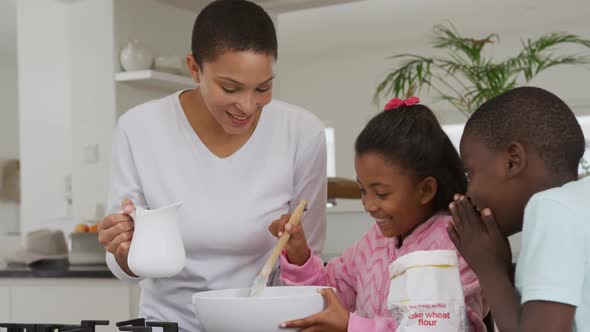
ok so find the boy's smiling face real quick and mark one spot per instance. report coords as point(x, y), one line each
point(493, 182)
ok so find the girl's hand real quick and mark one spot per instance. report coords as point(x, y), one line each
point(298, 251)
point(333, 319)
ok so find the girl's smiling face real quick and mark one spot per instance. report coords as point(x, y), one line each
point(392, 195)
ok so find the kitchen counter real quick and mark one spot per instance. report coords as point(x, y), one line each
point(56, 269)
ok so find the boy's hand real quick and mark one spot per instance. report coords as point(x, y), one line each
point(298, 251)
point(333, 319)
point(477, 237)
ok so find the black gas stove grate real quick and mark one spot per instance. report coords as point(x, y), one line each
point(84, 326)
point(140, 325)
point(137, 325)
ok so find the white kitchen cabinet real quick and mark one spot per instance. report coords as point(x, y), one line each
point(4, 304)
point(66, 300)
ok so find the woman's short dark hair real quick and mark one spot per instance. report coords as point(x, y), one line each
point(232, 25)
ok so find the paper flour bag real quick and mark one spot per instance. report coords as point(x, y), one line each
point(425, 292)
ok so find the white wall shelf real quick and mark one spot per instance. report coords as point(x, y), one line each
point(155, 80)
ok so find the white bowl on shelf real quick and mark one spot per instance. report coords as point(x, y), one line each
point(234, 310)
point(171, 64)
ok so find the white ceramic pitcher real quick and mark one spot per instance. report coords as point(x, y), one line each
point(157, 250)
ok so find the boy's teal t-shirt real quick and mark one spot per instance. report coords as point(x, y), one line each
point(554, 262)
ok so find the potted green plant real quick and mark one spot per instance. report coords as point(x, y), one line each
point(467, 76)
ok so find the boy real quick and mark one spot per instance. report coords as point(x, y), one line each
point(521, 152)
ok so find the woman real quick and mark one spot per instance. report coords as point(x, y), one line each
point(237, 159)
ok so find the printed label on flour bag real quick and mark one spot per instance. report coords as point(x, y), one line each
point(425, 292)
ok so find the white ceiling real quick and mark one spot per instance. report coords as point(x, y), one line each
point(382, 23)
point(7, 25)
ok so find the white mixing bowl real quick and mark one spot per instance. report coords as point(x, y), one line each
point(231, 310)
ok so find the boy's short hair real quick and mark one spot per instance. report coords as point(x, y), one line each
point(536, 118)
point(232, 25)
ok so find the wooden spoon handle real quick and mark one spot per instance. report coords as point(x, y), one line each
point(276, 251)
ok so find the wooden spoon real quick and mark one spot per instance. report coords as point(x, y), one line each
point(262, 278)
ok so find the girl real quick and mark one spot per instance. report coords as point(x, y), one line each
point(407, 170)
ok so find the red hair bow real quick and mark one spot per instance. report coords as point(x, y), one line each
point(396, 103)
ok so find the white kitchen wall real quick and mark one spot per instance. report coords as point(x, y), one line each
point(92, 104)
point(44, 57)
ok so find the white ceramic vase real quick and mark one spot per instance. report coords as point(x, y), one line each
point(135, 56)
